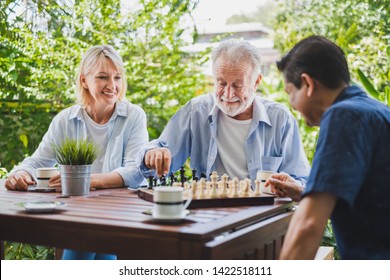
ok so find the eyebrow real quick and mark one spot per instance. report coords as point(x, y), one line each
point(117, 73)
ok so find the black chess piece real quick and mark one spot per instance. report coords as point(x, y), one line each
point(172, 178)
point(182, 178)
point(155, 182)
point(203, 175)
point(163, 180)
point(193, 174)
point(150, 182)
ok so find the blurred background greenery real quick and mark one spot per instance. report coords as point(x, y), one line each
point(38, 61)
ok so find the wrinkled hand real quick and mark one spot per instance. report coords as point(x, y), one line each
point(158, 159)
point(55, 182)
point(19, 181)
point(283, 185)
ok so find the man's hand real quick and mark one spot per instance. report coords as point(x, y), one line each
point(158, 159)
point(19, 181)
point(283, 185)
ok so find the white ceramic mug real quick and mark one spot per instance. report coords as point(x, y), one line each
point(168, 202)
point(262, 176)
point(44, 174)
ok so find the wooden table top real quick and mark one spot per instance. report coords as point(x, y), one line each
point(113, 221)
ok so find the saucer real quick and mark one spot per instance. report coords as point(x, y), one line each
point(42, 206)
point(34, 188)
point(169, 220)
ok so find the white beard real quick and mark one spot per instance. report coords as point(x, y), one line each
point(233, 110)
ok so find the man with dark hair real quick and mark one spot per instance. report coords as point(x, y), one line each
point(350, 175)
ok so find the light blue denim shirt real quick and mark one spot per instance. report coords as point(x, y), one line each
point(127, 135)
point(273, 142)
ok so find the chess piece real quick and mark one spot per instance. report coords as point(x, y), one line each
point(194, 188)
point(234, 192)
point(201, 187)
point(182, 178)
point(194, 174)
point(245, 190)
point(213, 185)
point(224, 186)
point(163, 180)
point(172, 178)
point(257, 191)
point(150, 182)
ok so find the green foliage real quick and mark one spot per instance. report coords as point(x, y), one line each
point(39, 56)
point(362, 30)
point(75, 152)
point(3, 172)
point(19, 251)
point(329, 240)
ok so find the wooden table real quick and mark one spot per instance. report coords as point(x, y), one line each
point(111, 221)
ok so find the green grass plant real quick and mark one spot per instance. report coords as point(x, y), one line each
point(75, 152)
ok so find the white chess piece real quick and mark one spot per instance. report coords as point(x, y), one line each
point(224, 186)
point(257, 191)
point(194, 185)
point(234, 192)
point(201, 187)
point(213, 185)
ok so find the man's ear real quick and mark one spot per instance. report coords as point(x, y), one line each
point(258, 81)
point(309, 82)
point(83, 81)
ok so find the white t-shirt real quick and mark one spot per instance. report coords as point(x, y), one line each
point(98, 133)
point(231, 137)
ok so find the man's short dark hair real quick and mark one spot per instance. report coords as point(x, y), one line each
point(318, 57)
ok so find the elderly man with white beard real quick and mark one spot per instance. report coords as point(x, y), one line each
point(232, 130)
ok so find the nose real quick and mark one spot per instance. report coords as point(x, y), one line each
point(111, 83)
point(228, 92)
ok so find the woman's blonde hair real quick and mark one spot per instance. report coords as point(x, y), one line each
point(94, 59)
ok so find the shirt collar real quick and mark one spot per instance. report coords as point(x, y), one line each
point(348, 92)
point(120, 110)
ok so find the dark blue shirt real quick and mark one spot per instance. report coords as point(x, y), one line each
point(352, 162)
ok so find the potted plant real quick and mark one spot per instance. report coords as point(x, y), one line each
point(75, 158)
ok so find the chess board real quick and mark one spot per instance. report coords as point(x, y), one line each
point(147, 194)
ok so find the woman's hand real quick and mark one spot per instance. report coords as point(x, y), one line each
point(19, 181)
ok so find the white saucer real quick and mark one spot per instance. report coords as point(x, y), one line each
point(169, 220)
point(42, 206)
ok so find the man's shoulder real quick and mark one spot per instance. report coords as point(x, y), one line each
point(273, 107)
point(203, 102)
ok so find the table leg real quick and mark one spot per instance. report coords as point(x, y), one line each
point(2, 249)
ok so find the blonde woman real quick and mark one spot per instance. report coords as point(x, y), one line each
point(102, 115)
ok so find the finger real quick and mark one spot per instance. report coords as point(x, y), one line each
point(10, 183)
point(166, 161)
point(21, 181)
point(147, 158)
point(159, 163)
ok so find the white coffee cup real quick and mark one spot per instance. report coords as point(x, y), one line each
point(262, 176)
point(168, 202)
point(44, 174)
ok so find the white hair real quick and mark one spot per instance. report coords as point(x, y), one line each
point(233, 52)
